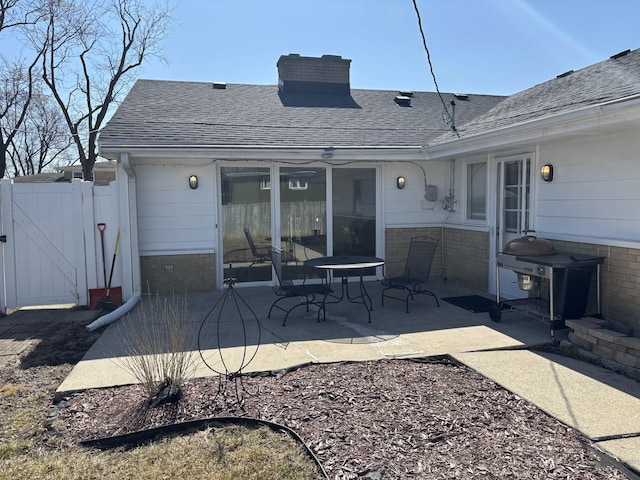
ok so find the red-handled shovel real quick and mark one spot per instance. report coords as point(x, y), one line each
point(102, 227)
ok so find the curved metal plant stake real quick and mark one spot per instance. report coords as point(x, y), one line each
point(233, 330)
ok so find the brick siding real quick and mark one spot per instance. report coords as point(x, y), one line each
point(466, 256)
point(619, 281)
point(397, 247)
point(166, 274)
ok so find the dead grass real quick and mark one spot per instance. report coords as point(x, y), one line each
point(218, 454)
point(31, 449)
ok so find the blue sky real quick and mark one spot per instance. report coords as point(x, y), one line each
point(477, 46)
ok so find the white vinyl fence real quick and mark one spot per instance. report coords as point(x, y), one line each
point(50, 250)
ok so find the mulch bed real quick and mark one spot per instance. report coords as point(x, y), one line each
point(392, 419)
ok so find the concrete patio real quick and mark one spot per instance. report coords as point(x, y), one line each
point(602, 405)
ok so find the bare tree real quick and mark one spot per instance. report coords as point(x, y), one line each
point(43, 141)
point(92, 50)
point(16, 76)
point(8, 17)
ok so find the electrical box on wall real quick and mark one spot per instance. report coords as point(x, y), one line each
point(431, 193)
point(449, 203)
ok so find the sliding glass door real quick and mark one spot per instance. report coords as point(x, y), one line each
point(354, 211)
point(293, 213)
point(303, 217)
point(246, 223)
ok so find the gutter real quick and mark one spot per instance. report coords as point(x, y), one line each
point(258, 152)
point(106, 147)
point(600, 115)
point(131, 215)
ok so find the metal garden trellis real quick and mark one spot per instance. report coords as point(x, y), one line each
point(228, 368)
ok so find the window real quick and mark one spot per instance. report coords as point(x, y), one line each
point(477, 191)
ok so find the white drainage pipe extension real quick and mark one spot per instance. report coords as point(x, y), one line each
point(115, 315)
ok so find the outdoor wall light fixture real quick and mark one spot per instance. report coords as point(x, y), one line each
point(400, 181)
point(193, 182)
point(546, 172)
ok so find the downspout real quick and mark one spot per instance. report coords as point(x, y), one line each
point(131, 217)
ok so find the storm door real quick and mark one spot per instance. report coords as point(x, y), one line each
point(246, 223)
point(513, 214)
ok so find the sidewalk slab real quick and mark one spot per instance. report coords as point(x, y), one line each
point(597, 402)
point(626, 450)
point(102, 367)
point(593, 400)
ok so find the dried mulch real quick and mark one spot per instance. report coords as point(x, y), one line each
point(392, 419)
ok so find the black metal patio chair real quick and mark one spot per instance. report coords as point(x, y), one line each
point(259, 256)
point(416, 273)
point(287, 289)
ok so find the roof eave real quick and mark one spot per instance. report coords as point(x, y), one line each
point(567, 123)
point(244, 152)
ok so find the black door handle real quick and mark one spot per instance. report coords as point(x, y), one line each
point(3, 238)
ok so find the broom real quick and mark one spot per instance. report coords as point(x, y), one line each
point(105, 303)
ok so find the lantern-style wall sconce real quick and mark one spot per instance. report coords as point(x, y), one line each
point(546, 172)
point(400, 181)
point(193, 182)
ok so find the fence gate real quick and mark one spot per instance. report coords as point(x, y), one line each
point(43, 252)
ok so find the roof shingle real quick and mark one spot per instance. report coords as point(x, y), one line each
point(170, 113)
point(612, 79)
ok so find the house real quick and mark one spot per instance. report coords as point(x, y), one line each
point(309, 165)
point(216, 172)
point(103, 174)
point(585, 125)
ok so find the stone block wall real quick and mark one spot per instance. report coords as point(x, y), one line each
point(178, 274)
point(596, 339)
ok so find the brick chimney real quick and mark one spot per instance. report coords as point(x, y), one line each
point(328, 74)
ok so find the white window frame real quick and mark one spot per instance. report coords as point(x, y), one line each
point(467, 192)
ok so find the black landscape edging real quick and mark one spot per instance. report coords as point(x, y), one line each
point(142, 436)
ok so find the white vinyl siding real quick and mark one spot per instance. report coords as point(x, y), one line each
point(173, 218)
point(595, 190)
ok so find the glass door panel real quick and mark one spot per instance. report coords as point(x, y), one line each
point(246, 223)
point(354, 211)
point(516, 196)
point(303, 217)
point(514, 201)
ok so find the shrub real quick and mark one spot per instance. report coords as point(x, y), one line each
point(156, 347)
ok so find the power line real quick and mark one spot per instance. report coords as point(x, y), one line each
point(449, 119)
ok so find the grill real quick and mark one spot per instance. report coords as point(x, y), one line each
point(569, 278)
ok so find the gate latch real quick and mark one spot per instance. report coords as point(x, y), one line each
point(3, 238)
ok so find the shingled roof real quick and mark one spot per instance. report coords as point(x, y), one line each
point(613, 79)
point(182, 114)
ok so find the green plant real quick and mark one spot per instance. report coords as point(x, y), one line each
point(156, 346)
